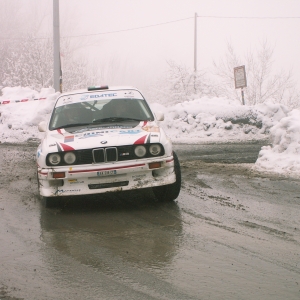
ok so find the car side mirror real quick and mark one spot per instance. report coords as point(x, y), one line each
point(160, 116)
point(42, 126)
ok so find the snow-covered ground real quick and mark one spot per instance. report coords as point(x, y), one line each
point(201, 120)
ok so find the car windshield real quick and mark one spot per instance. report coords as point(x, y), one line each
point(93, 112)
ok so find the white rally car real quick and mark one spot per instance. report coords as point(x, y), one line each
point(103, 140)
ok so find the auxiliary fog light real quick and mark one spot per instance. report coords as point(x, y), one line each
point(154, 165)
point(59, 174)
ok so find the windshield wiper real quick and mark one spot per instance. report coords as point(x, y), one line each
point(71, 125)
point(114, 119)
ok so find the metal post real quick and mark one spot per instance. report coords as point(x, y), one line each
point(195, 54)
point(56, 48)
point(242, 91)
point(195, 44)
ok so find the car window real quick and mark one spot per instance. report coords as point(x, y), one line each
point(89, 111)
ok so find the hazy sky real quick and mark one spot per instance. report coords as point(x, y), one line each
point(166, 31)
point(147, 49)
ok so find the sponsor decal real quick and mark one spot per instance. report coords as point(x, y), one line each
point(75, 181)
point(65, 191)
point(140, 140)
point(84, 97)
point(63, 147)
point(103, 95)
point(59, 131)
point(124, 154)
point(129, 94)
point(151, 128)
point(67, 100)
point(92, 134)
point(114, 127)
point(52, 145)
point(136, 131)
point(69, 139)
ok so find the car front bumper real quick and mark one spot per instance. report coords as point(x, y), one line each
point(109, 177)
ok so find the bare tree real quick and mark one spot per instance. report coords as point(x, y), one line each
point(263, 82)
point(181, 83)
point(28, 64)
point(27, 59)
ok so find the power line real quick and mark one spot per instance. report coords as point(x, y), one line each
point(159, 24)
point(154, 25)
point(263, 18)
point(108, 32)
point(130, 29)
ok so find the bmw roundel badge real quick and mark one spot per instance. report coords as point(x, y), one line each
point(103, 142)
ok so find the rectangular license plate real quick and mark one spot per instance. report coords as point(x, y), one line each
point(107, 173)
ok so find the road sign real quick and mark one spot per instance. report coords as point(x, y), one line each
point(240, 77)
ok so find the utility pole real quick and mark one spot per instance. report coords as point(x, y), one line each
point(57, 74)
point(195, 53)
point(195, 44)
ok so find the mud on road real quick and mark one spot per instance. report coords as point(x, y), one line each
point(231, 234)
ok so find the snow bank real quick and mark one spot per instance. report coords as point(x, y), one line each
point(219, 119)
point(201, 120)
point(283, 156)
point(19, 120)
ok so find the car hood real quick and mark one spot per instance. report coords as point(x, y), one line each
point(114, 135)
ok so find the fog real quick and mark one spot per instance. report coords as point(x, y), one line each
point(131, 40)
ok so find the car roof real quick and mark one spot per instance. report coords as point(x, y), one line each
point(110, 88)
point(109, 93)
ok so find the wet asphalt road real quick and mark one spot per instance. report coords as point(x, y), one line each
point(231, 234)
point(229, 153)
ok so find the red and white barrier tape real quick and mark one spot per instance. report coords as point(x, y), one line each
point(20, 101)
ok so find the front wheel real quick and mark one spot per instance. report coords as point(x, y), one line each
point(50, 202)
point(171, 191)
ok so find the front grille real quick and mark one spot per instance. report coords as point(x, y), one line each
point(104, 155)
point(107, 185)
point(99, 155)
point(111, 154)
point(84, 157)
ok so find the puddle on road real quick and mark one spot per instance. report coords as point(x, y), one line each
point(129, 245)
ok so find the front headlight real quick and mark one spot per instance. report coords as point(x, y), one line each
point(155, 149)
point(140, 151)
point(69, 158)
point(54, 159)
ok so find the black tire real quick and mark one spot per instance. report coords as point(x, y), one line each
point(171, 191)
point(50, 202)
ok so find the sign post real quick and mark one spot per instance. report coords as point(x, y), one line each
point(240, 79)
point(57, 75)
